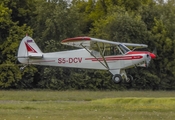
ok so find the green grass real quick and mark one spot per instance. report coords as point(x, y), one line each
point(87, 105)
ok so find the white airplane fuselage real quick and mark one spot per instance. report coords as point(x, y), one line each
point(81, 58)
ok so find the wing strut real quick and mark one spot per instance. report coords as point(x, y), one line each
point(102, 56)
point(105, 65)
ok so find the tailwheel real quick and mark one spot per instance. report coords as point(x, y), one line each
point(22, 68)
point(117, 78)
point(129, 79)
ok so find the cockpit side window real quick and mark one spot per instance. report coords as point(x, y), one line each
point(115, 51)
point(111, 50)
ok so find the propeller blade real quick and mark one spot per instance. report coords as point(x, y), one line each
point(155, 51)
point(148, 60)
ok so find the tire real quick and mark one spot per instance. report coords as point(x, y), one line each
point(130, 79)
point(117, 78)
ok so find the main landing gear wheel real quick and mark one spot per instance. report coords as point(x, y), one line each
point(129, 79)
point(117, 78)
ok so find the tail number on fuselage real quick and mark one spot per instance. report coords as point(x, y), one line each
point(69, 60)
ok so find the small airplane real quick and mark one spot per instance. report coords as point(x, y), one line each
point(93, 54)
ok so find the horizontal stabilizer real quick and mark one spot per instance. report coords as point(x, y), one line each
point(35, 55)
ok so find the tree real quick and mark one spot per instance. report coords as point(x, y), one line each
point(10, 37)
point(5, 21)
point(21, 10)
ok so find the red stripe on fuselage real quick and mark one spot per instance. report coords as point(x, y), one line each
point(137, 52)
point(152, 55)
point(40, 61)
point(111, 58)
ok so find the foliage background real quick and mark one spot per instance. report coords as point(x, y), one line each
point(48, 22)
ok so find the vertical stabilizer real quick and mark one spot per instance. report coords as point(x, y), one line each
point(28, 49)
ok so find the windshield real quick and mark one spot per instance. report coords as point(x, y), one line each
point(123, 48)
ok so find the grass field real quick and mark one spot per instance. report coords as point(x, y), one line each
point(87, 105)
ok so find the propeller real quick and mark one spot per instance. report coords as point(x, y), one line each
point(148, 60)
point(155, 51)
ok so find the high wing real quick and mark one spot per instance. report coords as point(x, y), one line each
point(77, 42)
point(88, 42)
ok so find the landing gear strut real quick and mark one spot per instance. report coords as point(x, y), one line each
point(118, 78)
point(22, 68)
point(129, 79)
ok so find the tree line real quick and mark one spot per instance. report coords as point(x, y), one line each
point(48, 22)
